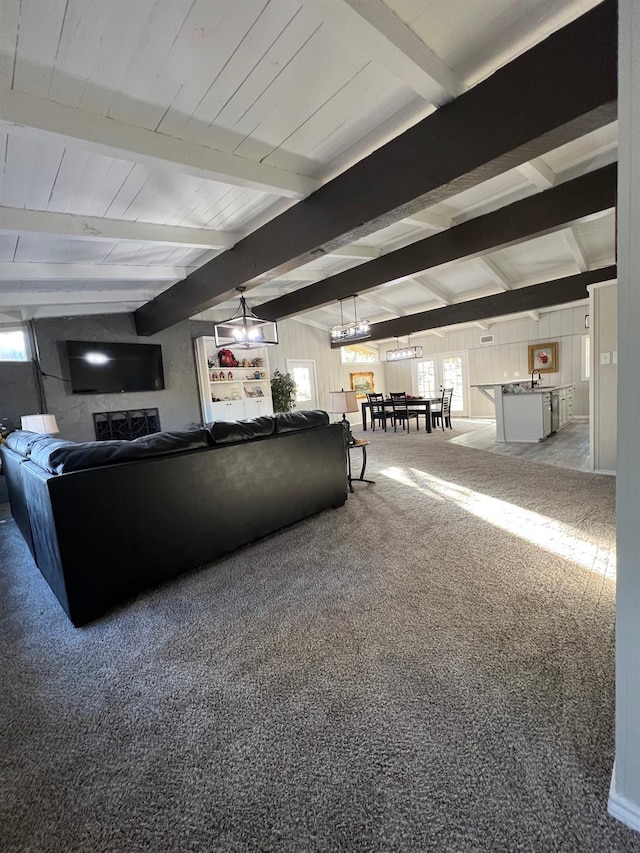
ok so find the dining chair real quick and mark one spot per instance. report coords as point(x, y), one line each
point(402, 412)
point(377, 410)
point(443, 414)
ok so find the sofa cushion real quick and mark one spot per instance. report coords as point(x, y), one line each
point(21, 440)
point(230, 432)
point(41, 451)
point(296, 421)
point(92, 454)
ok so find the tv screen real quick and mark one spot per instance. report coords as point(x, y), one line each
point(112, 368)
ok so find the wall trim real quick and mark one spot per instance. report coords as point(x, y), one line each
point(622, 809)
point(604, 471)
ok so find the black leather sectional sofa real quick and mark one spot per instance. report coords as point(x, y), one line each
point(107, 519)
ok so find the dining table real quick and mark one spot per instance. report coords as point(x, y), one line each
point(420, 404)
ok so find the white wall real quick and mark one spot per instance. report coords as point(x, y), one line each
point(508, 355)
point(624, 801)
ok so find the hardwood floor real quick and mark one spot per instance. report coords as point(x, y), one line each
point(568, 448)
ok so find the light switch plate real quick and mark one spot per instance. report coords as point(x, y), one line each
point(615, 356)
point(605, 358)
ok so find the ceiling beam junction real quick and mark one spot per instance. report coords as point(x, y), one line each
point(374, 29)
point(576, 248)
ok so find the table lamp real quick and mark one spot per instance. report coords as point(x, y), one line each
point(40, 423)
point(341, 402)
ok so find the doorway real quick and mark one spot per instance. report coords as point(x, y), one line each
point(445, 370)
point(303, 373)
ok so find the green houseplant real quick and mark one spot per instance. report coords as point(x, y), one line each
point(282, 391)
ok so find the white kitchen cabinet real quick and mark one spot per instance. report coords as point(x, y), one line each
point(232, 393)
point(566, 406)
point(526, 416)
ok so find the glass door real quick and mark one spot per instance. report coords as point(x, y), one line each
point(303, 373)
point(445, 370)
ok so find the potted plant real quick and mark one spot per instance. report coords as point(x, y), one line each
point(282, 391)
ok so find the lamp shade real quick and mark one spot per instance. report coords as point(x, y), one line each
point(343, 401)
point(40, 423)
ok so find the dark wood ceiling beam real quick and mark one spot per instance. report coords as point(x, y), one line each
point(557, 91)
point(545, 295)
point(534, 216)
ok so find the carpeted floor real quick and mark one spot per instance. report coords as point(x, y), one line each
point(429, 668)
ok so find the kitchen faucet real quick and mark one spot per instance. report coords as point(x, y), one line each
point(533, 382)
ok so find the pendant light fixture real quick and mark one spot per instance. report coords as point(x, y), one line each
point(245, 330)
point(359, 330)
point(403, 353)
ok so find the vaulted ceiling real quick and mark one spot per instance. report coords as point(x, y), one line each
point(156, 154)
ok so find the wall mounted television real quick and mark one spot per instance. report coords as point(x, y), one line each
point(114, 368)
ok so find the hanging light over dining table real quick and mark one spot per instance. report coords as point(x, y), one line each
point(358, 330)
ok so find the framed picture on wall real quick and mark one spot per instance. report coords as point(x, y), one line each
point(543, 357)
point(362, 384)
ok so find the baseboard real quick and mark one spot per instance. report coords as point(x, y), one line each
point(604, 471)
point(621, 809)
point(580, 417)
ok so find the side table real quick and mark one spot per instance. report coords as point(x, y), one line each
point(362, 444)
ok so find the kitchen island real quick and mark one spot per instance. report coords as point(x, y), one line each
point(526, 413)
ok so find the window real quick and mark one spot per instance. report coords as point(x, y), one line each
point(302, 378)
point(586, 358)
point(426, 378)
point(13, 345)
point(358, 354)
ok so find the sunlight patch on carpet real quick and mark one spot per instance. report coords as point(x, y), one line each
point(591, 551)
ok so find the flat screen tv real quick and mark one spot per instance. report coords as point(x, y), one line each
point(113, 368)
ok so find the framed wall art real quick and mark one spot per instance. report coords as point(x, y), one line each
point(362, 384)
point(543, 357)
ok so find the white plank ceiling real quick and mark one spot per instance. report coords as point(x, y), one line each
point(138, 140)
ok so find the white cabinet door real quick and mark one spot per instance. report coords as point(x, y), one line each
point(257, 407)
point(229, 410)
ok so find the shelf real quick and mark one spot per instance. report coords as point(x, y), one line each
point(235, 381)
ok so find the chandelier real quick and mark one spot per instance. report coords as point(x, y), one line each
point(245, 330)
point(403, 353)
point(358, 330)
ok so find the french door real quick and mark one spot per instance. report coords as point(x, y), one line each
point(303, 373)
point(445, 370)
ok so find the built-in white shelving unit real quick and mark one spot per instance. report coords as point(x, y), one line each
point(232, 393)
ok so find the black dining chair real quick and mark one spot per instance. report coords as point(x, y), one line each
point(378, 411)
point(402, 412)
point(442, 414)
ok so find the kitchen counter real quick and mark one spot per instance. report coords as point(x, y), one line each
point(528, 414)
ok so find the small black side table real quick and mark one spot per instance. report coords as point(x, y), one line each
point(362, 444)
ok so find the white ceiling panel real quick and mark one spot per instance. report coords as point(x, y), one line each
point(275, 86)
point(546, 257)
point(597, 237)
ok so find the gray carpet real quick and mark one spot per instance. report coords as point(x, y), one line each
point(429, 668)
